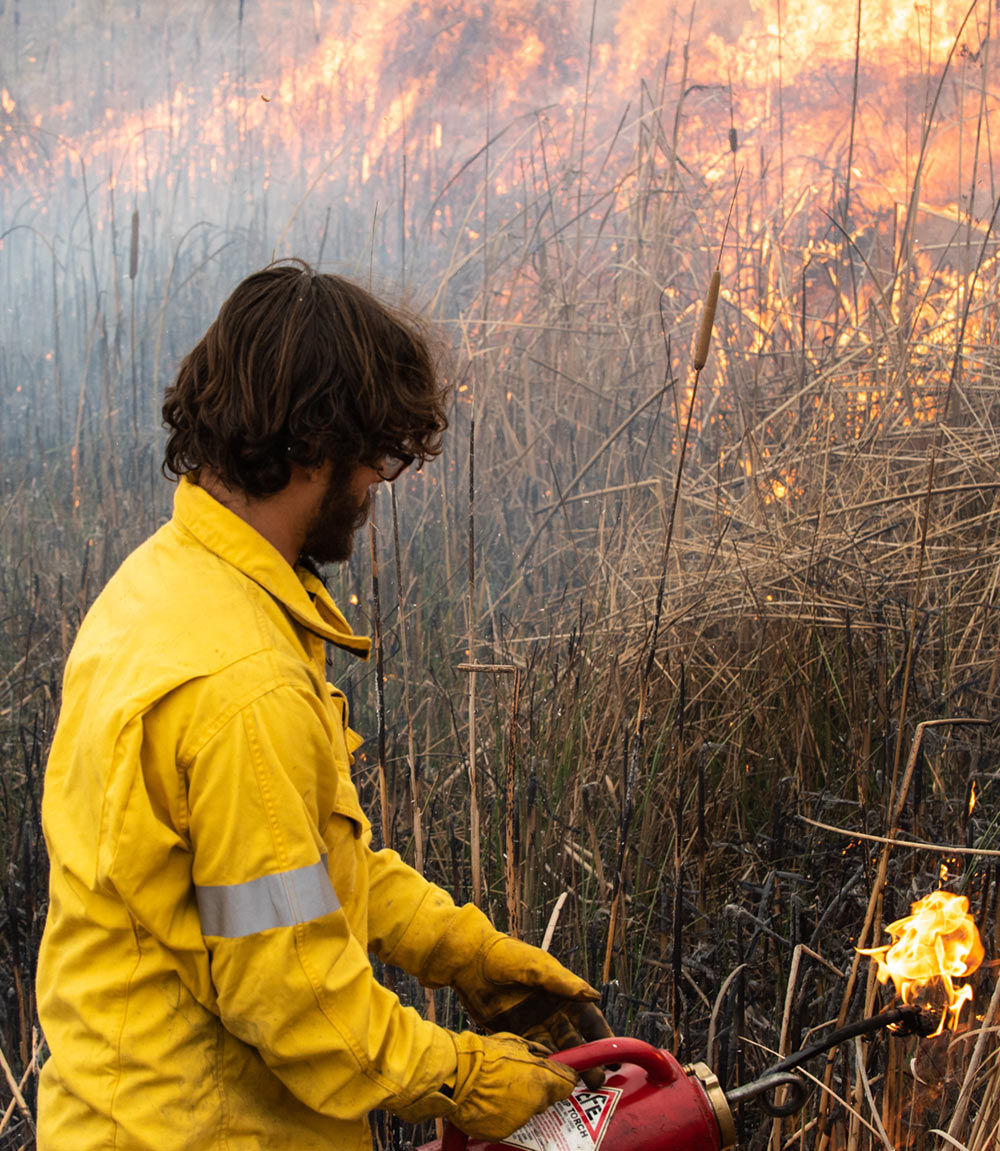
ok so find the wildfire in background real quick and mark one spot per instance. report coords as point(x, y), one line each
point(319, 103)
point(432, 142)
point(931, 948)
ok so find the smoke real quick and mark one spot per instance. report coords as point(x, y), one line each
point(400, 139)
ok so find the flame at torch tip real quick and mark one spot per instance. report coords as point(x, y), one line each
point(931, 948)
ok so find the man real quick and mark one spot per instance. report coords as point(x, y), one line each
point(204, 979)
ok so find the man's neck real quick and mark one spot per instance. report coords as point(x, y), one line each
point(282, 518)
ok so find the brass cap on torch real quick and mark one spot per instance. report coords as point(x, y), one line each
point(717, 1098)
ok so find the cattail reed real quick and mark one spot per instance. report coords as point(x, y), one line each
point(133, 248)
point(510, 814)
point(474, 834)
point(416, 816)
point(707, 322)
point(133, 269)
point(385, 798)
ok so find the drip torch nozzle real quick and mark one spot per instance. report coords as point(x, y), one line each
point(916, 1021)
point(904, 1020)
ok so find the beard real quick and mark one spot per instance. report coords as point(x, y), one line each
point(330, 538)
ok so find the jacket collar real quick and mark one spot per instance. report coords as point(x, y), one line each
point(300, 592)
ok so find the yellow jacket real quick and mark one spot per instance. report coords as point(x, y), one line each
point(204, 979)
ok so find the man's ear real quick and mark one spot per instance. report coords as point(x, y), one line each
point(307, 476)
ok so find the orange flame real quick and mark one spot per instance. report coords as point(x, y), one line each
point(931, 948)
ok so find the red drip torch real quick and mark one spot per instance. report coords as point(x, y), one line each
point(652, 1103)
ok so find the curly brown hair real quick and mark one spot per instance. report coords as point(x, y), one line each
point(300, 367)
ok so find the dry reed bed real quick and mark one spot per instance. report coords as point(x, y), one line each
point(832, 581)
point(817, 605)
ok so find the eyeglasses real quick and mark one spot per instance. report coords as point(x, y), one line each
point(393, 464)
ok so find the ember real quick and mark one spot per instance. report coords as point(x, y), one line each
point(931, 948)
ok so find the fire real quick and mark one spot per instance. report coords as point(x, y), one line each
point(374, 79)
point(931, 948)
point(394, 120)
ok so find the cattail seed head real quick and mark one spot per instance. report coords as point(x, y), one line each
point(707, 320)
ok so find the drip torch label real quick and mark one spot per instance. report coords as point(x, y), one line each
point(578, 1123)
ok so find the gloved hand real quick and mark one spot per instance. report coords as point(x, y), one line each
point(500, 1082)
point(506, 985)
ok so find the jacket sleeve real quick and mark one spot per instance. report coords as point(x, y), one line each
point(410, 919)
point(292, 977)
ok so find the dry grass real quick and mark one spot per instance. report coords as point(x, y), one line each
point(687, 725)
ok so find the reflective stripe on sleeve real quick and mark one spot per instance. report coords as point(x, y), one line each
point(281, 900)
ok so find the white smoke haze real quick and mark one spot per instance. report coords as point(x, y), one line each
point(152, 154)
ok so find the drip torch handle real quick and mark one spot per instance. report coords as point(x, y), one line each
point(658, 1067)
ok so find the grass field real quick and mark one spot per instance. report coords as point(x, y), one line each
point(695, 673)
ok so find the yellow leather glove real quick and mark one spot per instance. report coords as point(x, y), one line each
point(506, 985)
point(500, 1082)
